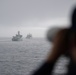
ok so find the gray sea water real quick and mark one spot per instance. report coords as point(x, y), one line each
point(22, 57)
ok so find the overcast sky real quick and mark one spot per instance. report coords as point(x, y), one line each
point(33, 16)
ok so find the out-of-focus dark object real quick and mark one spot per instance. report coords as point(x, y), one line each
point(65, 44)
point(51, 33)
point(73, 19)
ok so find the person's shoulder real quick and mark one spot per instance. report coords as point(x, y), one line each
point(62, 31)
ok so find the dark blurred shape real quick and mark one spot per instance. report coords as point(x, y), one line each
point(51, 33)
point(64, 44)
point(74, 19)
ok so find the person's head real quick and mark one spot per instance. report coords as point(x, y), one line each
point(73, 27)
point(74, 18)
point(70, 37)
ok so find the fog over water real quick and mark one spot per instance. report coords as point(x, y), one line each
point(33, 16)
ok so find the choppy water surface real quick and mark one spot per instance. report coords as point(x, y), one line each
point(22, 57)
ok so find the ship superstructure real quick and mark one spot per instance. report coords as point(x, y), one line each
point(17, 37)
point(29, 36)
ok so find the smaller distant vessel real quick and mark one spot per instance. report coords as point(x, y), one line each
point(17, 37)
point(29, 36)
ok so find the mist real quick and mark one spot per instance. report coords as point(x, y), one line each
point(33, 16)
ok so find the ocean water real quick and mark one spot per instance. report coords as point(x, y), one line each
point(22, 57)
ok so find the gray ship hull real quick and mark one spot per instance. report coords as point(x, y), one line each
point(16, 39)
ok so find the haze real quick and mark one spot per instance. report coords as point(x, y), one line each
point(33, 16)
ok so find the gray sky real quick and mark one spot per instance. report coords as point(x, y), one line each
point(33, 16)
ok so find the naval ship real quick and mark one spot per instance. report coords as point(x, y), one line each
point(17, 37)
point(29, 36)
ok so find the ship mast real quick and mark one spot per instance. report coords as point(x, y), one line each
point(18, 32)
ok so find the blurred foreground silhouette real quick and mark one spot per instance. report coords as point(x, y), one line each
point(64, 43)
